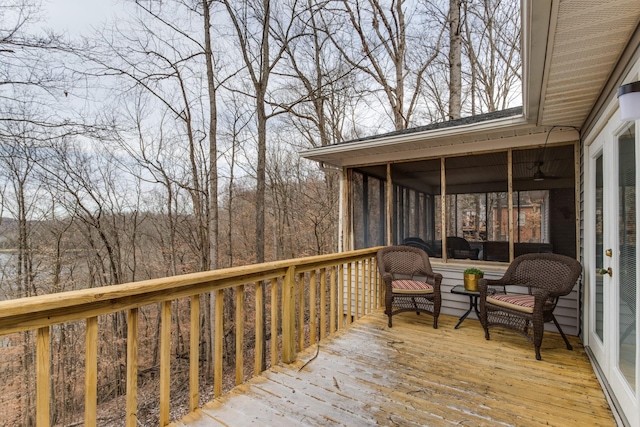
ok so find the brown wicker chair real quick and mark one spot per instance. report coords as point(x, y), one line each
point(459, 248)
point(548, 277)
point(411, 284)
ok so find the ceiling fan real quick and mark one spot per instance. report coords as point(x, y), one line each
point(538, 175)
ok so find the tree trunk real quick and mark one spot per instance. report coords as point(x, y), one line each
point(455, 61)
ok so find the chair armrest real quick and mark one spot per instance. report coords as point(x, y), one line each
point(387, 278)
point(434, 279)
point(484, 284)
point(541, 297)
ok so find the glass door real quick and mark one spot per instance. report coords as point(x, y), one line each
point(613, 264)
point(626, 262)
point(599, 279)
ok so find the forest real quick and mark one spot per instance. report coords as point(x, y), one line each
point(166, 141)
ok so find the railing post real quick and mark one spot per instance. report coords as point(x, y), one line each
point(132, 368)
point(259, 325)
point(91, 373)
point(43, 376)
point(194, 353)
point(165, 362)
point(239, 334)
point(289, 316)
point(313, 320)
point(217, 348)
point(274, 321)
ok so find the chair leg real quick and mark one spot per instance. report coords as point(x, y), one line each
point(484, 322)
point(538, 334)
point(564, 337)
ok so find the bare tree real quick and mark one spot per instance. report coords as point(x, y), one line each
point(253, 22)
point(492, 46)
point(379, 41)
point(455, 60)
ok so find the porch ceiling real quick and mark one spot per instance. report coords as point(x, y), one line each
point(586, 40)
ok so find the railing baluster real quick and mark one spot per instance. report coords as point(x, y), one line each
point(349, 289)
point(259, 328)
point(165, 362)
point(323, 303)
point(239, 334)
point(363, 287)
point(218, 334)
point(301, 312)
point(91, 372)
point(288, 316)
point(274, 322)
point(340, 273)
point(332, 299)
point(194, 353)
point(312, 307)
point(371, 287)
point(356, 290)
point(132, 367)
point(376, 278)
point(43, 388)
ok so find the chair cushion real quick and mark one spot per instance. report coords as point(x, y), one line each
point(411, 287)
point(519, 302)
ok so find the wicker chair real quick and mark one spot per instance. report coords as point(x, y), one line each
point(459, 248)
point(548, 277)
point(417, 242)
point(411, 284)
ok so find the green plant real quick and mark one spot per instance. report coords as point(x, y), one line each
point(475, 271)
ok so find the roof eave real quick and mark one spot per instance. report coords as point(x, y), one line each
point(322, 154)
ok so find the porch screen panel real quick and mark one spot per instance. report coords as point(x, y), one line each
point(416, 214)
point(375, 213)
point(627, 224)
point(357, 198)
point(477, 208)
point(368, 210)
point(544, 200)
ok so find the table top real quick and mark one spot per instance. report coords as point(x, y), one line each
point(460, 289)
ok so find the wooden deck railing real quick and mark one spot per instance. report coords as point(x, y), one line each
point(318, 296)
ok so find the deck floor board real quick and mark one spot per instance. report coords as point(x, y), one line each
point(414, 375)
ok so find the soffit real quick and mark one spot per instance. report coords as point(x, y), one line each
point(459, 140)
point(586, 40)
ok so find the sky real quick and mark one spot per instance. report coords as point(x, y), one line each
point(78, 16)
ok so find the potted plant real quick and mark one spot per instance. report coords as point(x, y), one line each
point(471, 277)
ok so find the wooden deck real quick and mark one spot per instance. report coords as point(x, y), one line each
point(413, 375)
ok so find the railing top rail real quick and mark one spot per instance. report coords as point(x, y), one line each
point(33, 312)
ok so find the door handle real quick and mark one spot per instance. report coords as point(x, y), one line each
point(607, 271)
